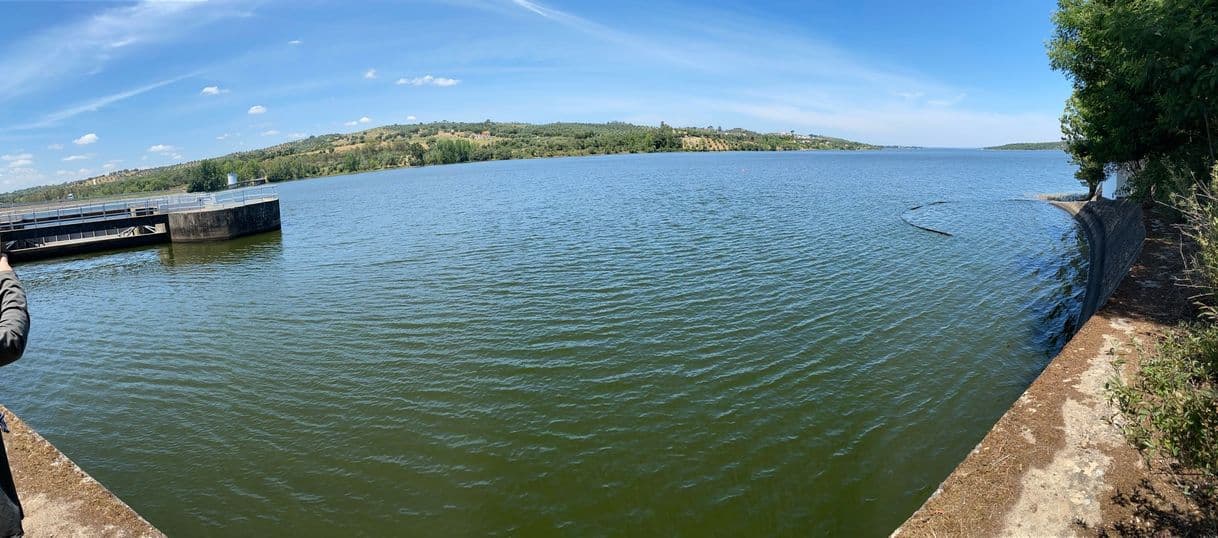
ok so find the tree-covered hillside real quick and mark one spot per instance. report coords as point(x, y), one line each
point(397, 146)
point(1031, 146)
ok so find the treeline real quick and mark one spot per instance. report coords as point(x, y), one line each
point(397, 146)
point(1037, 146)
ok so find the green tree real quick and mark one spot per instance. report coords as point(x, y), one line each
point(666, 139)
point(1145, 78)
point(1079, 144)
point(205, 177)
point(448, 151)
point(416, 151)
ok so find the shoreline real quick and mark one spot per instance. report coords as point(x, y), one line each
point(1055, 463)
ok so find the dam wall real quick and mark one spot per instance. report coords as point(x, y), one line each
point(1048, 465)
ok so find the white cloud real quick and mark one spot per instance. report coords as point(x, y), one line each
point(177, 156)
point(75, 158)
point(365, 119)
point(298, 136)
point(161, 148)
point(428, 80)
point(411, 118)
point(362, 121)
point(19, 163)
point(295, 42)
point(370, 74)
point(84, 171)
point(213, 90)
point(222, 137)
point(270, 132)
point(55, 146)
point(257, 109)
point(351, 123)
point(86, 139)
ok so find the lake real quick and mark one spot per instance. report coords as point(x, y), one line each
point(667, 344)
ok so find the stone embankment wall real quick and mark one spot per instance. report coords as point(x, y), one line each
point(1115, 234)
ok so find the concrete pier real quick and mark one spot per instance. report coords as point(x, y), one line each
point(218, 224)
point(48, 231)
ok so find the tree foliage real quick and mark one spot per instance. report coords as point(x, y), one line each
point(205, 177)
point(1145, 77)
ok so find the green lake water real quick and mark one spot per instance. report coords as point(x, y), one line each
point(745, 344)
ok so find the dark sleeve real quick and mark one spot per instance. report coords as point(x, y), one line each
point(14, 318)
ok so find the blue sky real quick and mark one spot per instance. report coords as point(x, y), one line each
point(95, 86)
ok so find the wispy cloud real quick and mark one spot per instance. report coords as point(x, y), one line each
point(86, 139)
point(270, 132)
point(162, 148)
point(88, 45)
point(70, 158)
point(257, 109)
point(370, 74)
point(20, 160)
point(602, 32)
point(295, 42)
point(55, 147)
point(213, 90)
point(93, 105)
point(411, 118)
point(795, 81)
point(945, 102)
point(362, 121)
point(428, 80)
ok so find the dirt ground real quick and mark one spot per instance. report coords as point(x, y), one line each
point(1056, 464)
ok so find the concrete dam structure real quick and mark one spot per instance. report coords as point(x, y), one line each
point(49, 231)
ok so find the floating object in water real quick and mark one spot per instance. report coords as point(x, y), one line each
point(904, 217)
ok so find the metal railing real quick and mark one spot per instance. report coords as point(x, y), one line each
point(135, 207)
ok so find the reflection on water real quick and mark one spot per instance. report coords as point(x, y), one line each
point(257, 248)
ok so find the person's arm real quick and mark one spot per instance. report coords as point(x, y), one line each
point(14, 318)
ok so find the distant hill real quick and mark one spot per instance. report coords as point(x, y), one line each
point(1031, 145)
point(396, 146)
